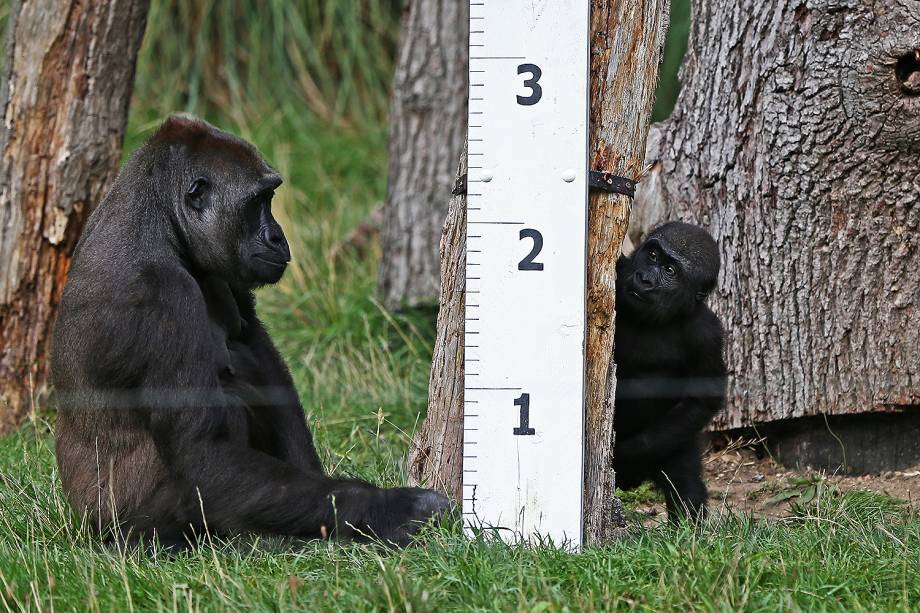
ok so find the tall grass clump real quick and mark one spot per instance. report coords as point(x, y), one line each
point(240, 57)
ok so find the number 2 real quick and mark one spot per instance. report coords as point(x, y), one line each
point(528, 262)
point(536, 92)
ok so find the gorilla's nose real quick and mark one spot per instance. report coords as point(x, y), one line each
point(274, 238)
point(644, 280)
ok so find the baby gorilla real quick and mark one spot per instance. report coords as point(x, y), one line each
point(177, 414)
point(670, 372)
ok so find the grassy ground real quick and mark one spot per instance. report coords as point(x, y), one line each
point(362, 376)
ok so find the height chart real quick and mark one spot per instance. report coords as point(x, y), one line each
point(525, 278)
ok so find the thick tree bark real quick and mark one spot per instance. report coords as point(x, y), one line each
point(70, 70)
point(796, 140)
point(627, 38)
point(428, 128)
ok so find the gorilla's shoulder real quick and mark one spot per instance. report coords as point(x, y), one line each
point(709, 322)
point(161, 285)
point(705, 334)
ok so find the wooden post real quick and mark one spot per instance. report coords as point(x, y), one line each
point(627, 40)
point(69, 73)
point(627, 37)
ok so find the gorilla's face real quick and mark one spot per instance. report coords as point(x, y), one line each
point(661, 281)
point(655, 283)
point(262, 249)
point(229, 227)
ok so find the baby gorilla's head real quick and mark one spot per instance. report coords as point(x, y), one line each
point(670, 274)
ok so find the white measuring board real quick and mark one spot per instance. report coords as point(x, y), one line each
point(525, 277)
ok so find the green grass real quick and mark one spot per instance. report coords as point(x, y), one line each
point(362, 375)
point(848, 552)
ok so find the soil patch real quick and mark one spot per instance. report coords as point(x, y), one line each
point(741, 481)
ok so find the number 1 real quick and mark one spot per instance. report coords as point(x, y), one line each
point(523, 401)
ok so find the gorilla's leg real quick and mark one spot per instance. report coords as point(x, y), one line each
point(630, 474)
point(238, 488)
point(681, 481)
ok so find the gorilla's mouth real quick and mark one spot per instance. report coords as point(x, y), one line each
point(270, 262)
point(637, 296)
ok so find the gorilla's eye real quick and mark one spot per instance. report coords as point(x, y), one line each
point(670, 270)
point(652, 255)
point(195, 193)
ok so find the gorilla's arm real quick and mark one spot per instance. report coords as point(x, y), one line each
point(259, 378)
point(700, 394)
point(202, 435)
point(277, 410)
point(240, 488)
point(678, 427)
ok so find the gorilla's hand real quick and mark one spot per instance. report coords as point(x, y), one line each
point(404, 512)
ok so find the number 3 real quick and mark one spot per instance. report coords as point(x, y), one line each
point(536, 92)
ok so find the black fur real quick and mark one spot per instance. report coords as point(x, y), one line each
point(670, 371)
point(177, 414)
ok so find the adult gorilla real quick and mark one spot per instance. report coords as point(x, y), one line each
point(177, 414)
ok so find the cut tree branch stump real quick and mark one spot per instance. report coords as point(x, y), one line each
point(436, 456)
point(796, 142)
point(627, 38)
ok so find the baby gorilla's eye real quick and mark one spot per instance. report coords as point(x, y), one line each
point(653, 256)
point(670, 270)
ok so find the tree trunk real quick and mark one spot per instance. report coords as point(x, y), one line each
point(69, 74)
point(428, 128)
point(627, 38)
point(796, 141)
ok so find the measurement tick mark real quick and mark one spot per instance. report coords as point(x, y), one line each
point(507, 389)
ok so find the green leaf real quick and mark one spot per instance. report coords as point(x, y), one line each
point(784, 495)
